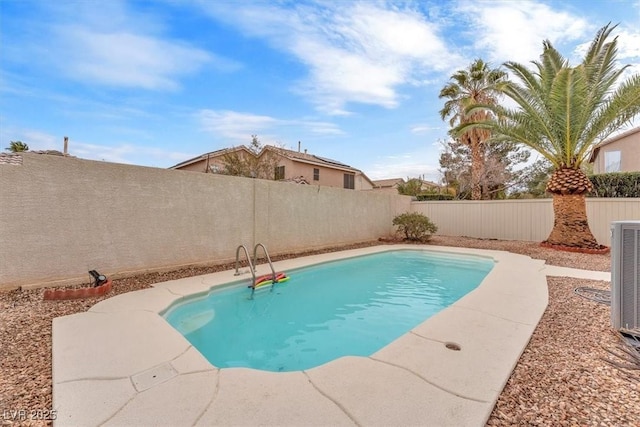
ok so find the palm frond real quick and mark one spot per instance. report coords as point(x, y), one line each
point(563, 111)
point(615, 112)
point(599, 40)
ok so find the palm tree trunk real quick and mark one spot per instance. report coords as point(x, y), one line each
point(476, 170)
point(570, 226)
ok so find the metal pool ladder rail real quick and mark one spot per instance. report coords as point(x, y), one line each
point(252, 268)
point(255, 259)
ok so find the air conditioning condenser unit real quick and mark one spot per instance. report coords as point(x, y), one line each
point(625, 275)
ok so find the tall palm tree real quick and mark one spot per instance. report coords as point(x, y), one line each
point(563, 112)
point(17, 146)
point(477, 85)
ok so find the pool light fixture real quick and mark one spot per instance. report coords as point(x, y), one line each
point(98, 279)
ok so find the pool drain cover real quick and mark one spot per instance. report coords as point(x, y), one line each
point(154, 376)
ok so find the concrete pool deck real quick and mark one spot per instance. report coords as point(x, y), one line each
point(121, 363)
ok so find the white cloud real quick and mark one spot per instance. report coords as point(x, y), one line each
point(514, 31)
point(406, 165)
point(319, 127)
point(35, 139)
point(126, 153)
point(424, 128)
point(127, 59)
point(629, 44)
point(631, 70)
point(117, 152)
point(109, 43)
point(38, 140)
point(628, 50)
point(355, 51)
point(234, 125)
point(238, 127)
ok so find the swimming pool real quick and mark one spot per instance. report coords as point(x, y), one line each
point(349, 307)
point(124, 349)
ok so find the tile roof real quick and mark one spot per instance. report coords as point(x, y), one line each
point(205, 155)
point(311, 158)
point(10, 159)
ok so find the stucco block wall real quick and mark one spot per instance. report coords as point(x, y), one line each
point(60, 217)
point(314, 216)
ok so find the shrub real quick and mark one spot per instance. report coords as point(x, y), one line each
point(434, 196)
point(415, 226)
point(618, 184)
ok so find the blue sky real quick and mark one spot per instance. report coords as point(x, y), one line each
point(156, 82)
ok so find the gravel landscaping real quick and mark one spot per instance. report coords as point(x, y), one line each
point(565, 376)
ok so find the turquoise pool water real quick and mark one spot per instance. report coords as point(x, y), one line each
point(352, 307)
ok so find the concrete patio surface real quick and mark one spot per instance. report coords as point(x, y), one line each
point(121, 363)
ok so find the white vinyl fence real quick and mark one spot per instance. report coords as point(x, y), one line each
point(521, 219)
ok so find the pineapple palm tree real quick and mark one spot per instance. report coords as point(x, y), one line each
point(477, 85)
point(17, 146)
point(563, 112)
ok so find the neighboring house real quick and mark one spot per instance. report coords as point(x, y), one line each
point(391, 185)
point(388, 185)
point(294, 166)
point(620, 153)
point(211, 162)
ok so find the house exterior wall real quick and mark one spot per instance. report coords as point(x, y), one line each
point(629, 148)
point(327, 176)
point(362, 183)
point(60, 217)
point(295, 169)
point(194, 167)
point(201, 165)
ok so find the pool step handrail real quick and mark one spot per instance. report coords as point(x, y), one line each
point(251, 269)
point(266, 253)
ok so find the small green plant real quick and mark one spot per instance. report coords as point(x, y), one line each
point(415, 226)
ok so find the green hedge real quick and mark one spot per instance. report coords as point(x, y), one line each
point(426, 197)
point(619, 184)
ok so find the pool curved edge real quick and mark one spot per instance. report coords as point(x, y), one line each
point(122, 363)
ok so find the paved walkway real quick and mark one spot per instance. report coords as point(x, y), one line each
point(552, 270)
